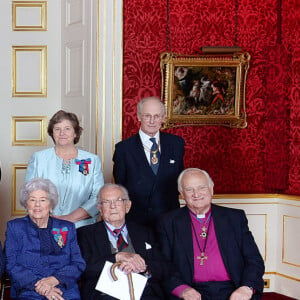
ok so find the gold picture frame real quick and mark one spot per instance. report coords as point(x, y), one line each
point(41, 132)
point(29, 7)
point(16, 210)
point(206, 89)
point(29, 62)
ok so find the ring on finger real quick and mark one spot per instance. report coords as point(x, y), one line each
point(53, 297)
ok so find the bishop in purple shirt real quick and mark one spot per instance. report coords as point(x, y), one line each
point(211, 246)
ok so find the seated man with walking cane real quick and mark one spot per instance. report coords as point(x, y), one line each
point(115, 240)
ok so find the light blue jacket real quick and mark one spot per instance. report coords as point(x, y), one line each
point(74, 188)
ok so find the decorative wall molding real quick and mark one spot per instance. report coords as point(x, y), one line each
point(290, 249)
point(29, 131)
point(274, 222)
point(109, 81)
point(74, 13)
point(29, 71)
point(18, 175)
point(29, 15)
point(250, 196)
point(75, 68)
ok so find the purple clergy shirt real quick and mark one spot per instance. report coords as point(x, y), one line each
point(213, 268)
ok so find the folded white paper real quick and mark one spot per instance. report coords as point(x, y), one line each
point(120, 288)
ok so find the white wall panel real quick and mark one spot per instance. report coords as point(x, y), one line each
point(275, 225)
point(75, 69)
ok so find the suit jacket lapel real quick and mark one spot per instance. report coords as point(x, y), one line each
point(163, 152)
point(141, 157)
point(221, 225)
point(137, 240)
point(183, 227)
point(101, 240)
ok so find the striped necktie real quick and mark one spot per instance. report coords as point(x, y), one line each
point(121, 244)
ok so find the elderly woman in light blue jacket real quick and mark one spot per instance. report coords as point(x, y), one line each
point(76, 173)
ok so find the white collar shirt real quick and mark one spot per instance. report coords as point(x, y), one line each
point(145, 138)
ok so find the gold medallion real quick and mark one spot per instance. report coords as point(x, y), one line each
point(203, 234)
point(154, 159)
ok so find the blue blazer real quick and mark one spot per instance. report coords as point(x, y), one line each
point(238, 249)
point(151, 194)
point(96, 250)
point(26, 265)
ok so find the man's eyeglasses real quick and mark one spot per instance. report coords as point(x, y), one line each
point(148, 117)
point(117, 202)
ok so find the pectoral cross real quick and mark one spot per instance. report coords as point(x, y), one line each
point(201, 258)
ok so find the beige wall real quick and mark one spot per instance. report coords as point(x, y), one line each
point(71, 60)
point(275, 223)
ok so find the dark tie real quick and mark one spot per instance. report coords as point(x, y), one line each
point(154, 156)
point(121, 244)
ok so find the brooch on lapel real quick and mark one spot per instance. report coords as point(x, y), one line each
point(83, 165)
point(60, 236)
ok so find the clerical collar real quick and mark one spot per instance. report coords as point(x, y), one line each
point(201, 216)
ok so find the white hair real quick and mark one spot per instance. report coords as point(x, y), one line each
point(194, 170)
point(115, 186)
point(35, 184)
point(141, 103)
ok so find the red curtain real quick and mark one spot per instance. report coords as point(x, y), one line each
point(265, 156)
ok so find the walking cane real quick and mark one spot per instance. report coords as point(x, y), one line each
point(115, 278)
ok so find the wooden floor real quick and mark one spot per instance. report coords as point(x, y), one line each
point(266, 296)
point(273, 296)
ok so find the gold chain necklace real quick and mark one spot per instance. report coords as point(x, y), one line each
point(154, 159)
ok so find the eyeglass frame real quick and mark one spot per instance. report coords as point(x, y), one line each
point(147, 117)
point(116, 202)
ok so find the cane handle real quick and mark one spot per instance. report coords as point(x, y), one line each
point(115, 278)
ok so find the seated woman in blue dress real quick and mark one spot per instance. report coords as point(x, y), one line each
point(43, 259)
point(76, 173)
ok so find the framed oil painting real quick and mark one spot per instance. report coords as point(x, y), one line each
point(205, 89)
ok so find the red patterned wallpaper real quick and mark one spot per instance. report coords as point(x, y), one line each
point(264, 157)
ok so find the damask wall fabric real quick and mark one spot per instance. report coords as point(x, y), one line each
point(265, 156)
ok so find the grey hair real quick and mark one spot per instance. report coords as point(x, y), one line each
point(141, 103)
point(113, 185)
point(194, 170)
point(35, 184)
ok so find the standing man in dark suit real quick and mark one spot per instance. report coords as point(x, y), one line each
point(148, 164)
point(117, 240)
point(211, 246)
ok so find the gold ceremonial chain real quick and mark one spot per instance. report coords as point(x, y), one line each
point(154, 158)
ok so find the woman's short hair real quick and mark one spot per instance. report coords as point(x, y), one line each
point(35, 184)
point(63, 115)
point(194, 170)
